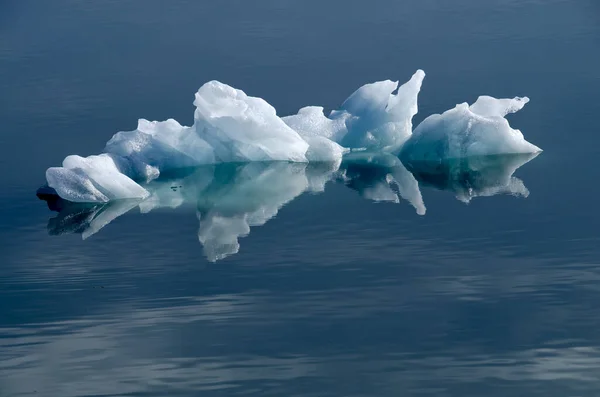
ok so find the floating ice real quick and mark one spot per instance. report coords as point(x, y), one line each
point(93, 179)
point(157, 146)
point(311, 121)
point(229, 126)
point(372, 118)
point(232, 127)
point(378, 119)
point(320, 132)
point(242, 128)
point(465, 131)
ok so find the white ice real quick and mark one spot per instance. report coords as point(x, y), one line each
point(232, 127)
point(378, 119)
point(242, 128)
point(466, 131)
point(157, 146)
point(377, 116)
point(311, 121)
point(99, 178)
point(320, 132)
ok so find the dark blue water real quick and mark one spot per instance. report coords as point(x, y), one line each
point(335, 295)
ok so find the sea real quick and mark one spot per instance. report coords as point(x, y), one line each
point(480, 279)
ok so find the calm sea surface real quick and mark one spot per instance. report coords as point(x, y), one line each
point(287, 280)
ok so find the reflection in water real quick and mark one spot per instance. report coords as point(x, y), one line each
point(232, 198)
point(382, 177)
point(475, 176)
point(86, 219)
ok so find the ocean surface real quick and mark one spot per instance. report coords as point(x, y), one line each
point(287, 280)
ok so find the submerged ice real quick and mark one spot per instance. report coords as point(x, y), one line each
point(233, 127)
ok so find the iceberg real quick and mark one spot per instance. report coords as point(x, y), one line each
point(465, 131)
point(229, 127)
point(233, 127)
point(378, 119)
point(372, 118)
point(99, 178)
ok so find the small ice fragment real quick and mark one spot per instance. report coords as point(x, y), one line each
point(478, 130)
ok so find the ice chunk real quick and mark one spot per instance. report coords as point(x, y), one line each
point(311, 121)
point(229, 127)
point(243, 128)
point(156, 146)
point(373, 117)
point(73, 185)
point(323, 149)
point(106, 174)
point(488, 106)
point(378, 119)
point(319, 132)
point(478, 130)
point(93, 179)
point(232, 127)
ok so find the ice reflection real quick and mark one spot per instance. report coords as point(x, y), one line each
point(230, 199)
point(472, 177)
